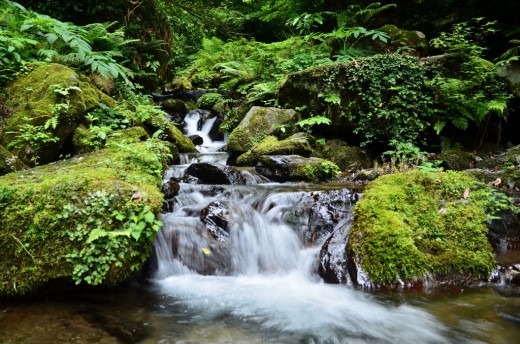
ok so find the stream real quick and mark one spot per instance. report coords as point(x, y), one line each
point(247, 273)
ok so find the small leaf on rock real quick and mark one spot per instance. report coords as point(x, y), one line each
point(466, 193)
point(137, 196)
point(442, 211)
point(496, 182)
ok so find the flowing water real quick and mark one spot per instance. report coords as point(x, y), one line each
point(256, 282)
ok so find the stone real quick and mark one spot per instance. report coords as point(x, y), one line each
point(214, 217)
point(258, 123)
point(171, 133)
point(295, 167)
point(511, 72)
point(296, 144)
point(216, 174)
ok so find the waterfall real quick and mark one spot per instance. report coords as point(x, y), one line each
point(196, 124)
point(242, 253)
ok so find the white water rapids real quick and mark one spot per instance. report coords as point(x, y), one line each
point(262, 280)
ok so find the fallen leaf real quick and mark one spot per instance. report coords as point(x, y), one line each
point(137, 196)
point(206, 251)
point(442, 211)
point(466, 193)
point(496, 182)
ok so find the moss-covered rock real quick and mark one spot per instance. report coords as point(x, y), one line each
point(456, 159)
point(47, 91)
point(511, 72)
point(294, 167)
point(179, 84)
point(208, 100)
point(175, 106)
point(345, 156)
point(296, 144)
point(258, 123)
point(412, 225)
point(400, 38)
point(85, 219)
point(171, 133)
point(83, 141)
point(9, 162)
point(128, 135)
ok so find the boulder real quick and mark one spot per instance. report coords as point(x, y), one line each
point(295, 167)
point(128, 135)
point(170, 189)
point(296, 144)
point(48, 93)
point(345, 156)
point(216, 174)
point(170, 133)
point(456, 159)
point(258, 123)
point(511, 72)
point(399, 38)
point(412, 225)
point(75, 219)
point(176, 106)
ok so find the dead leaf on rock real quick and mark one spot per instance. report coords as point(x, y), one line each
point(137, 196)
point(466, 193)
point(443, 211)
point(496, 182)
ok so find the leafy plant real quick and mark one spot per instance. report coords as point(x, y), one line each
point(475, 92)
point(98, 249)
point(310, 122)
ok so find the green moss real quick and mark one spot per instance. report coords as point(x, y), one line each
point(73, 219)
point(412, 224)
point(405, 38)
point(171, 133)
point(83, 140)
point(9, 162)
point(208, 100)
point(456, 159)
point(258, 123)
point(48, 90)
point(345, 156)
point(272, 146)
point(175, 105)
point(128, 135)
point(179, 84)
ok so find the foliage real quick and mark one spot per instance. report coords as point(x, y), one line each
point(308, 123)
point(209, 99)
point(103, 248)
point(406, 153)
point(28, 36)
point(474, 92)
point(393, 101)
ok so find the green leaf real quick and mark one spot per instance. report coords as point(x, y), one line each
point(96, 234)
point(149, 217)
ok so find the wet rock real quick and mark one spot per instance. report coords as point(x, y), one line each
point(170, 189)
point(124, 331)
point(196, 139)
point(215, 174)
point(327, 209)
point(334, 265)
point(504, 233)
point(214, 217)
point(176, 106)
point(295, 167)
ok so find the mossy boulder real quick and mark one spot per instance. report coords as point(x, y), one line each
point(88, 219)
point(345, 156)
point(128, 135)
point(208, 100)
point(258, 123)
point(295, 167)
point(400, 38)
point(170, 133)
point(9, 162)
point(456, 159)
point(296, 144)
point(370, 100)
point(175, 105)
point(83, 141)
point(179, 84)
point(412, 225)
point(47, 91)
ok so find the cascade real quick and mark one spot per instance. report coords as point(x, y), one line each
point(242, 253)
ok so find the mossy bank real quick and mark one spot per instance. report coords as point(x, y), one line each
point(90, 219)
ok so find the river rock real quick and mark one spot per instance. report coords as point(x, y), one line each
point(196, 139)
point(295, 167)
point(215, 174)
point(296, 144)
point(258, 123)
point(170, 189)
point(214, 217)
